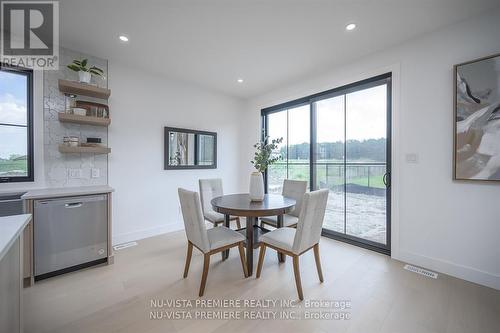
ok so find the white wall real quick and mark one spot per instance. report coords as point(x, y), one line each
point(141, 104)
point(452, 227)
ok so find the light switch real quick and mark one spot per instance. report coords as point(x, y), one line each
point(95, 173)
point(412, 158)
point(75, 173)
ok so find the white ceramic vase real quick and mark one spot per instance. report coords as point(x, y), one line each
point(256, 186)
point(84, 77)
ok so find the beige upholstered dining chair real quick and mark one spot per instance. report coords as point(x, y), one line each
point(209, 241)
point(209, 189)
point(294, 242)
point(294, 189)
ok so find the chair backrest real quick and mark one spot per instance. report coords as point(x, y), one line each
point(295, 189)
point(310, 220)
point(209, 189)
point(194, 223)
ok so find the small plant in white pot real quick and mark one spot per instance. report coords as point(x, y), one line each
point(85, 73)
point(264, 156)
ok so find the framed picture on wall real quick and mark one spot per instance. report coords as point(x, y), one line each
point(477, 120)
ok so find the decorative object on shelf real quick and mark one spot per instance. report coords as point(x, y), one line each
point(477, 120)
point(79, 111)
point(94, 109)
point(190, 149)
point(70, 102)
point(71, 141)
point(265, 155)
point(74, 141)
point(85, 73)
point(94, 140)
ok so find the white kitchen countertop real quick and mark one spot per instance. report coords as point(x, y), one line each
point(10, 228)
point(66, 192)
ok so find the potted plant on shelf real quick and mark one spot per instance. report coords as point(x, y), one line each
point(85, 73)
point(264, 156)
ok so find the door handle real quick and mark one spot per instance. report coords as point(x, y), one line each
point(73, 205)
point(387, 179)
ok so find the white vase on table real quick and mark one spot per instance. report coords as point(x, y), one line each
point(256, 186)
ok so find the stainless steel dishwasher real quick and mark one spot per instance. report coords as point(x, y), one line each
point(69, 233)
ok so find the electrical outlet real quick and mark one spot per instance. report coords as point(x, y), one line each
point(74, 173)
point(95, 173)
point(411, 158)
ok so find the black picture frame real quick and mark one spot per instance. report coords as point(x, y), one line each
point(166, 150)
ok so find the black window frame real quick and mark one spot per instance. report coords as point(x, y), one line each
point(342, 90)
point(28, 73)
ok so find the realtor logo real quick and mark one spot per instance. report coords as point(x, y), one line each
point(30, 34)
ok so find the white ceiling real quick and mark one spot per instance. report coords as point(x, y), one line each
point(269, 43)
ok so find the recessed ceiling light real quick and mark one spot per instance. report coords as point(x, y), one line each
point(350, 26)
point(123, 38)
point(240, 80)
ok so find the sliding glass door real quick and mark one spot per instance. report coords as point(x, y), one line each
point(347, 133)
point(366, 164)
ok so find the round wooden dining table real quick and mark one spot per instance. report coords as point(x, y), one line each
point(241, 205)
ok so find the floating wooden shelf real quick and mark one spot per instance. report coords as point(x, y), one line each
point(85, 120)
point(82, 150)
point(77, 88)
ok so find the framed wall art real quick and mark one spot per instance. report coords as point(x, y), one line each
point(477, 120)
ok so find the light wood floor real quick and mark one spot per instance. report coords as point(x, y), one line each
point(384, 297)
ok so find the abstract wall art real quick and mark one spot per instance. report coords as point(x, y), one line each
point(477, 120)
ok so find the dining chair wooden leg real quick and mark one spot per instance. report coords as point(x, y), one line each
point(227, 224)
point(238, 223)
point(242, 258)
point(206, 264)
point(262, 253)
point(188, 259)
point(296, 271)
point(279, 224)
point(318, 262)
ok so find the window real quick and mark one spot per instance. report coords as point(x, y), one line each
point(16, 128)
point(292, 125)
point(340, 140)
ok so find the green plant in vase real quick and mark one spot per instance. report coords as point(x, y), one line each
point(84, 72)
point(265, 155)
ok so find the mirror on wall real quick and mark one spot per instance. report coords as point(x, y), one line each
point(190, 149)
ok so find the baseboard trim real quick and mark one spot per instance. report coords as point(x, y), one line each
point(146, 233)
point(446, 267)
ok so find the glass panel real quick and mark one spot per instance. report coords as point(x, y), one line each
point(276, 173)
point(206, 149)
point(13, 98)
point(299, 145)
point(181, 148)
point(366, 135)
point(13, 151)
point(329, 164)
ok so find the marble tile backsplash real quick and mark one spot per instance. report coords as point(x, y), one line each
point(57, 165)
